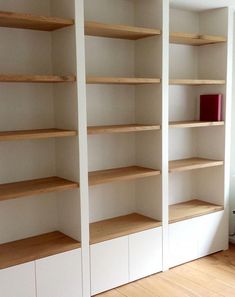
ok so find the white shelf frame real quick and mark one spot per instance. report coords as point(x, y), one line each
point(82, 139)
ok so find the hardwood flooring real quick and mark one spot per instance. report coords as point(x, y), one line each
point(212, 276)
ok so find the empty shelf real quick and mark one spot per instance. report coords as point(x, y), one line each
point(196, 82)
point(191, 209)
point(195, 39)
point(35, 187)
point(119, 31)
point(36, 134)
point(122, 80)
point(122, 128)
point(120, 226)
point(36, 78)
point(28, 21)
point(34, 248)
point(194, 124)
point(192, 163)
point(120, 174)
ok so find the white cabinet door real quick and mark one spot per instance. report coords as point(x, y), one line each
point(145, 253)
point(59, 275)
point(212, 233)
point(18, 281)
point(182, 242)
point(109, 264)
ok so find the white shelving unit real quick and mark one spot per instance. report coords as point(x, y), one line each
point(41, 229)
point(106, 169)
point(198, 151)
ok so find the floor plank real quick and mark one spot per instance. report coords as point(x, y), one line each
point(212, 276)
point(136, 290)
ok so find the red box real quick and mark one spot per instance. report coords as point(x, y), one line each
point(211, 107)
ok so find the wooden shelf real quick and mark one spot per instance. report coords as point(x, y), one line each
point(28, 21)
point(122, 80)
point(196, 82)
point(120, 226)
point(35, 134)
point(119, 31)
point(191, 209)
point(192, 163)
point(195, 39)
point(34, 248)
point(194, 124)
point(121, 128)
point(35, 187)
point(120, 174)
point(4, 78)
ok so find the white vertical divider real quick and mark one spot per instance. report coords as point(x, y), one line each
point(83, 155)
point(165, 128)
point(228, 115)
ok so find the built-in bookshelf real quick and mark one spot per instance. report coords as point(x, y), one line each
point(105, 161)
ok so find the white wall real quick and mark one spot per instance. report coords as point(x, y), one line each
point(232, 175)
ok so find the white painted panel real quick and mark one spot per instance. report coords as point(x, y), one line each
point(111, 200)
point(110, 11)
point(181, 187)
point(182, 242)
point(212, 233)
point(18, 281)
point(183, 20)
point(60, 275)
point(109, 265)
point(145, 253)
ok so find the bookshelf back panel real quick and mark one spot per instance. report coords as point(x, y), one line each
point(183, 103)
point(181, 19)
point(112, 200)
point(197, 184)
point(181, 187)
point(182, 144)
point(27, 107)
point(27, 160)
point(127, 12)
point(31, 216)
point(110, 57)
point(111, 151)
point(110, 105)
point(28, 6)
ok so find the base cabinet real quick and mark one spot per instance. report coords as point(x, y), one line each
point(59, 275)
point(195, 238)
point(18, 281)
point(109, 264)
point(145, 253)
point(125, 259)
point(182, 242)
point(212, 234)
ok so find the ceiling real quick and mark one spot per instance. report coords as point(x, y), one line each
point(201, 4)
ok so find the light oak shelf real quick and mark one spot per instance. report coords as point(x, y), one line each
point(118, 31)
point(191, 209)
point(194, 124)
point(35, 187)
point(120, 174)
point(195, 39)
point(122, 80)
point(34, 248)
point(196, 82)
point(29, 21)
point(121, 128)
point(36, 134)
point(120, 226)
point(192, 163)
point(5, 78)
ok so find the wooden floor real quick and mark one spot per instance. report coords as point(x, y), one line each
point(206, 277)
